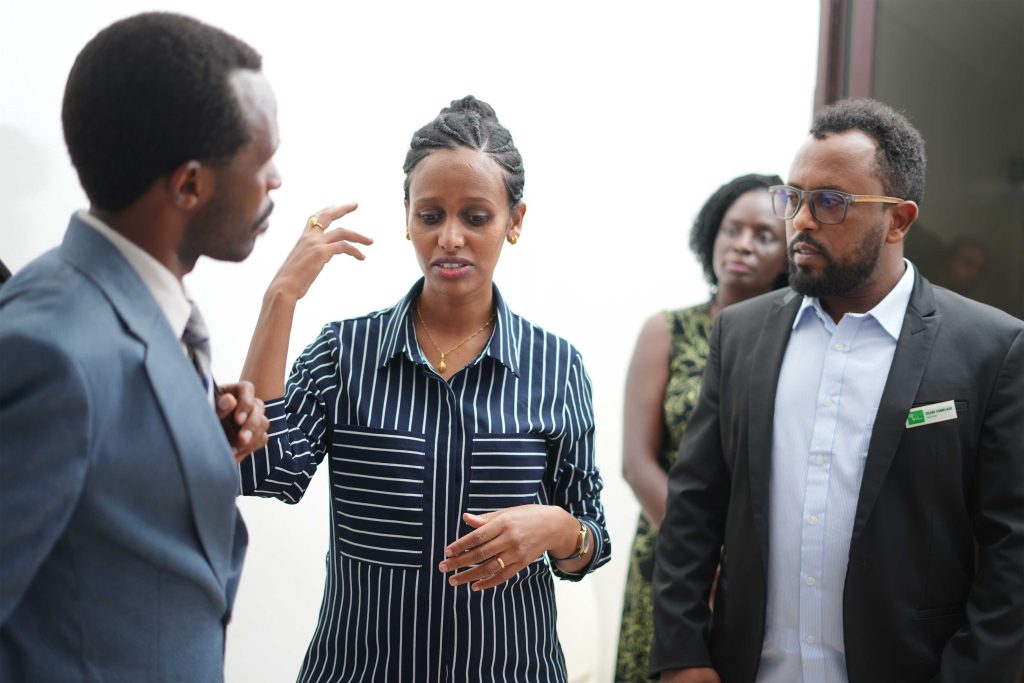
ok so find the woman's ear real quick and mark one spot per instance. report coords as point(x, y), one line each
point(515, 227)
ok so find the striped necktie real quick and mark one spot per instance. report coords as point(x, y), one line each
point(197, 340)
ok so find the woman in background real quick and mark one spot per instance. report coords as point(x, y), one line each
point(458, 437)
point(742, 247)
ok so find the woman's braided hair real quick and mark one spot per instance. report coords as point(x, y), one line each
point(470, 123)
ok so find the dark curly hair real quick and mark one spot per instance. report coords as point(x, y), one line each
point(709, 220)
point(900, 163)
point(147, 94)
point(471, 123)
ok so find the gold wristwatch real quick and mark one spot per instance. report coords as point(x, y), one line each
point(582, 544)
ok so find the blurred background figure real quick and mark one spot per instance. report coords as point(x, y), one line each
point(965, 268)
point(741, 246)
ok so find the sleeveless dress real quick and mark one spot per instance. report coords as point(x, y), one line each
point(689, 330)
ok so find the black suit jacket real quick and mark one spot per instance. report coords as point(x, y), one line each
point(935, 581)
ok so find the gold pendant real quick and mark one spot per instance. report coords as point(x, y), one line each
point(442, 366)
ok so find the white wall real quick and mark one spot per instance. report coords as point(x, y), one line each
point(627, 120)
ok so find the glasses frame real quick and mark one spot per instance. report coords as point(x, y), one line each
point(846, 196)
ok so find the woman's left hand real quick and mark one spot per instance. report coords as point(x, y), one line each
point(505, 541)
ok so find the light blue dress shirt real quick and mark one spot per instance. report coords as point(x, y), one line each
point(829, 388)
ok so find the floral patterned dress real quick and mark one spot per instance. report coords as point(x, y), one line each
point(690, 330)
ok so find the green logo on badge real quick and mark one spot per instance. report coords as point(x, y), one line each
point(916, 417)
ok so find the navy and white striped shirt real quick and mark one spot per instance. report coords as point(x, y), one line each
point(408, 453)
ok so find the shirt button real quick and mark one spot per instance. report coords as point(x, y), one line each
point(810, 639)
point(827, 401)
point(813, 519)
point(811, 581)
point(820, 460)
point(840, 346)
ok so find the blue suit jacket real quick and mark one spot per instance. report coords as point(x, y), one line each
point(120, 542)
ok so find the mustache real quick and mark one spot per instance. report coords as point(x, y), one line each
point(266, 214)
point(804, 238)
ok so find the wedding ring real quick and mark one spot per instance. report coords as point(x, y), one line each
point(314, 223)
point(501, 562)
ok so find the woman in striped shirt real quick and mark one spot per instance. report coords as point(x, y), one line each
point(458, 437)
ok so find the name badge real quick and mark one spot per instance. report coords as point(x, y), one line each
point(930, 414)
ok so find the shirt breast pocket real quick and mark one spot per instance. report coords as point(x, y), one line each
point(506, 470)
point(380, 502)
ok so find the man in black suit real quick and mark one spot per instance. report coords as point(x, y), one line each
point(856, 459)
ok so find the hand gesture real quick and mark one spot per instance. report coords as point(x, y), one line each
point(316, 246)
point(505, 542)
point(241, 415)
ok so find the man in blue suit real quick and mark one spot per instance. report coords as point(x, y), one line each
point(120, 542)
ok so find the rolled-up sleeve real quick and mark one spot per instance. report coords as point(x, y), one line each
point(577, 482)
point(298, 434)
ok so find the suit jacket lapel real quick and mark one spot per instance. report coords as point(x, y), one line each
point(920, 326)
point(206, 462)
point(198, 439)
point(765, 366)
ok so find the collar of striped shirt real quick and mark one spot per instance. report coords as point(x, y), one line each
point(400, 334)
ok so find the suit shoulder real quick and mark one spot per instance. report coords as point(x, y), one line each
point(974, 317)
point(51, 301)
point(755, 308)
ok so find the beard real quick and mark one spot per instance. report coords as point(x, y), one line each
point(838, 277)
point(218, 233)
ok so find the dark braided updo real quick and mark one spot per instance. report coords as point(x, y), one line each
point(471, 123)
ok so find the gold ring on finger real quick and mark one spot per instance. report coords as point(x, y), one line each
point(314, 222)
point(501, 562)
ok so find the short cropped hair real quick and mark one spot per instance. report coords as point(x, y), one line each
point(900, 163)
point(147, 94)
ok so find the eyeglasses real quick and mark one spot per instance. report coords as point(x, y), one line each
point(827, 206)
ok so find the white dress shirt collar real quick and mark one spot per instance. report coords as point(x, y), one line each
point(889, 312)
point(163, 285)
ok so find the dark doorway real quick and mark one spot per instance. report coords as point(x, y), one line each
point(956, 69)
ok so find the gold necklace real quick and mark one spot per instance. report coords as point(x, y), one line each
point(442, 366)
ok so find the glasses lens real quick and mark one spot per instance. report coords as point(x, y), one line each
point(829, 207)
point(785, 201)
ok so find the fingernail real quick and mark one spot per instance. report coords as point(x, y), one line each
point(443, 566)
point(241, 417)
point(244, 436)
point(448, 552)
point(451, 581)
point(223, 403)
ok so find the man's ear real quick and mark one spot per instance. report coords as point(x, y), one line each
point(902, 215)
point(191, 185)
